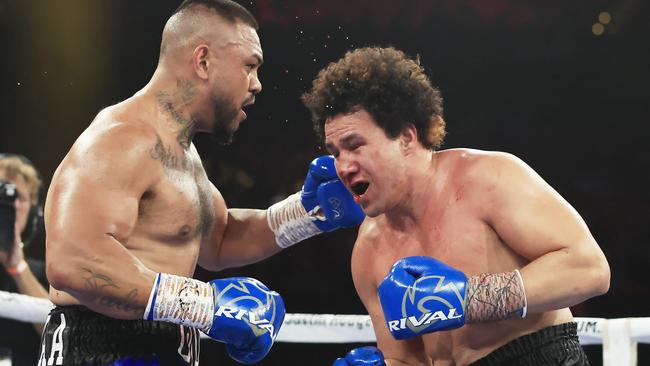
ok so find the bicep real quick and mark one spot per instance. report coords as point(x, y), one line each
point(210, 249)
point(529, 215)
point(95, 194)
point(538, 224)
point(92, 210)
point(87, 206)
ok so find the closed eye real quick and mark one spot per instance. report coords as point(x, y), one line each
point(331, 150)
point(355, 146)
point(352, 142)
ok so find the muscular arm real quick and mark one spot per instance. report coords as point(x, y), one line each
point(566, 264)
point(92, 208)
point(250, 236)
point(240, 237)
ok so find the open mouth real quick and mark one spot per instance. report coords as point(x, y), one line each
point(359, 188)
point(248, 102)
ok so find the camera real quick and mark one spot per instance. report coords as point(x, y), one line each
point(8, 195)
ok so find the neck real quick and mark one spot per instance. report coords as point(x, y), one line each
point(176, 99)
point(414, 206)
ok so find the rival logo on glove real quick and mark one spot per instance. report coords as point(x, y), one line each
point(409, 305)
point(425, 319)
point(241, 293)
point(251, 317)
point(336, 207)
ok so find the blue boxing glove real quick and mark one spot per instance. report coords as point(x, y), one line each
point(247, 317)
point(324, 204)
point(324, 192)
point(362, 356)
point(422, 295)
point(239, 311)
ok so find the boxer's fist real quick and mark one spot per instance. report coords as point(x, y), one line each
point(363, 356)
point(247, 317)
point(325, 197)
point(422, 295)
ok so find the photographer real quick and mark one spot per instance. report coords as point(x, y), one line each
point(20, 216)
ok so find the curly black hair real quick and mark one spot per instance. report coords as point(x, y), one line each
point(391, 87)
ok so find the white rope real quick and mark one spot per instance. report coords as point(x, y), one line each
point(24, 308)
point(619, 337)
point(326, 328)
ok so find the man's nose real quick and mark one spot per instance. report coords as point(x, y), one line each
point(255, 86)
point(345, 166)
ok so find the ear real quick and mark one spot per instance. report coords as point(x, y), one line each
point(200, 61)
point(408, 136)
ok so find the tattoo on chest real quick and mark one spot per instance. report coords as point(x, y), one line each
point(179, 170)
point(167, 156)
point(124, 300)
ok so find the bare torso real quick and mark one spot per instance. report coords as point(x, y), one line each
point(455, 232)
point(176, 214)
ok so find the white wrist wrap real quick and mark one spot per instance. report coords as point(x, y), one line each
point(523, 289)
point(181, 300)
point(290, 222)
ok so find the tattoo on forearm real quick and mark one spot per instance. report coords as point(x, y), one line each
point(97, 282)
point(494, 297)
point(129, 304)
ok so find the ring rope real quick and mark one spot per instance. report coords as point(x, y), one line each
point(619, 337)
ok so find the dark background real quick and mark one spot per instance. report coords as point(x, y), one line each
point(531, 79)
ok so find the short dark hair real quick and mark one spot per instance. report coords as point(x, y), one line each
point(228, 9)
point(391, 87)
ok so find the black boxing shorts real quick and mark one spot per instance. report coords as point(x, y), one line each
point(554, 345)
point(75, 335)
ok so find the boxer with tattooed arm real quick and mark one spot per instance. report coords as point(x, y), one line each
point(130, 212)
